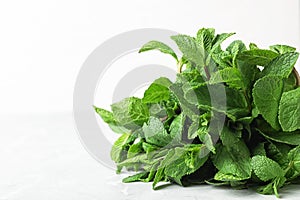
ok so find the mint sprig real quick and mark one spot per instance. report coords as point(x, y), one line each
point(176, 132)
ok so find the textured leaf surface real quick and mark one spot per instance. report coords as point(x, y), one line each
point(266, 95)
point(289, 110)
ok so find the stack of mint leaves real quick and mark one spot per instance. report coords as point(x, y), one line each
point(232, 118)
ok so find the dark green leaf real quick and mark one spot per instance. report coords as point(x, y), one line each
point(266, 96)
point(289, 110)
point(282, 65)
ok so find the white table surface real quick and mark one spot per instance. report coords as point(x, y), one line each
point(41, 158)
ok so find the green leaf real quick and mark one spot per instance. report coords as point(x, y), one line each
point(135, 149)
point(219, 38)
point(259, 57)
point(188, 109)
point(110, 120)
point(155, 133)
point(233, 161)
point(292, 138)
point(193, 77)
point(253, 46)
point(290, 83)
point(148, 148)
point(107, 116)
point(294, 158)
point(266, 96)
point(282, 65)
point(265, 168)
point(156, 45)
point(136, 177)
point(205, 37)
point(272, 187)
point(119, 149)
point(229, 136)
point(158, 91)
point(259, 150)
point(278, 152)
point(130, 112)
point(230, 76)
point(234, 49)
point(185, 160)
point(289, 110)
point(219, 56)
point(206, 139)
point(191, 50)
point(282, 48)
point(177, 128)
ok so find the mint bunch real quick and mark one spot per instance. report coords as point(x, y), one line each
point(232, 117)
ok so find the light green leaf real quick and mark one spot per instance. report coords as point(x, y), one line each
point(130, 112)
point(158, 91)
point(191, 50)
point(155, 132)
point(156, 45)
point(282, 48)
point(219, 38)
point(119, 149)
point(176, 128)
point(265, 168)
point(135, 149)
point(136, 177)
point(205, 37)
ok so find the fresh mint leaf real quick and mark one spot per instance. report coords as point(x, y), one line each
point(289, 110)
point(232, 162)
point(156, 45)
point(191, 50)
point(294, 158)
point(155, 133)
point(218, 39)
point(177, 128)
point(282, 65)
point(188, 109)
point(292, 138)
point(131, 112)
point(158, 91)
point(119, 149)
point(205, 38)
point(281, 49)
point(185, 160)
point(266, 96)
point(265, 168)
point(261, 57)
point(230, 76)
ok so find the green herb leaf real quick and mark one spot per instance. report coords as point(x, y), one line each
point(265, 168)
point(289, 110)
point(191, 50)
point(266, 96)
point(282, 65)
point(156, 45)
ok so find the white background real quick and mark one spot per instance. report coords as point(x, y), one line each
point(42, 46)
point(44, 43)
